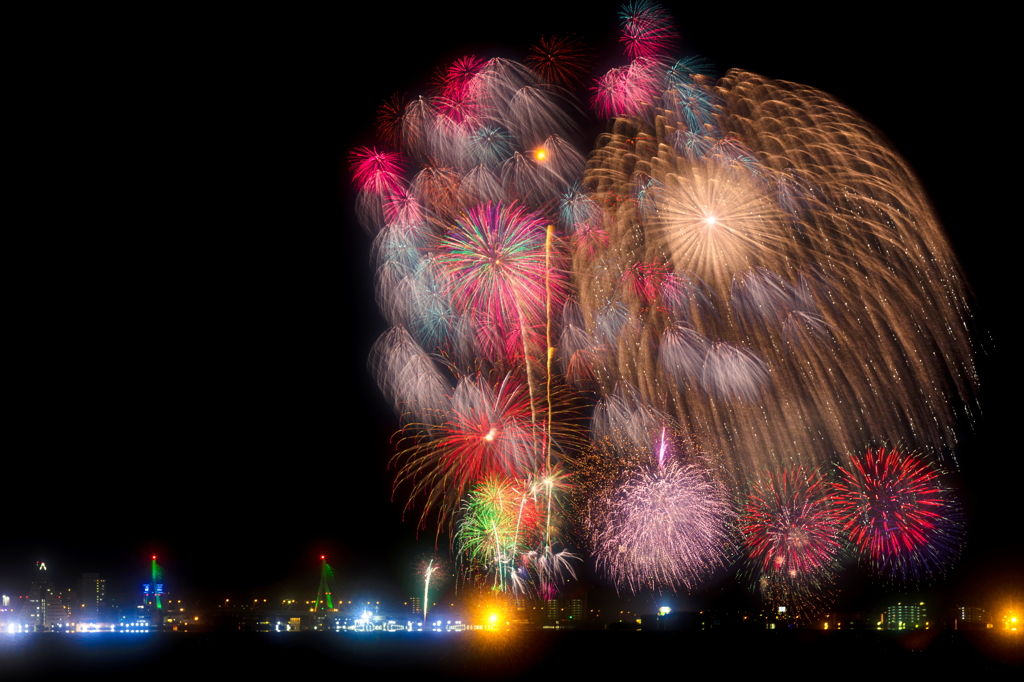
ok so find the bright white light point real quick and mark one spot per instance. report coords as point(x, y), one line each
point(710, 220)
point(490, 435)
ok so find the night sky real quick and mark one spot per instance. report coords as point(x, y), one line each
point(196, 306)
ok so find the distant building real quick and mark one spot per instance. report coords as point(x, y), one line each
point(909, 616)
point(92, 597)
point(970, 618)
point(576, 610)
point(552, 611)
point(44, 608)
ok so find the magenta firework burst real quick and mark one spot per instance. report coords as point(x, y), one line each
point(499, 272)
point(898, 514)
point(791, 536)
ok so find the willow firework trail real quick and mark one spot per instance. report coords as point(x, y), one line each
point(823, 304)
point(472, 274)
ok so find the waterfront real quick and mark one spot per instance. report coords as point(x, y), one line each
point(498, 655)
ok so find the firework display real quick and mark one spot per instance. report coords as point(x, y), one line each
point(814, 299)
point(742, 283)
point(897, 513)
point(792, 536)
point(661, 527)
point(472, 274)
point(503, 533)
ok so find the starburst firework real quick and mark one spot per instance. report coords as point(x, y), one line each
point(791, 536)
point(900, 517)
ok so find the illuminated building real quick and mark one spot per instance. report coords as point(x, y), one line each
point(92, 597)
point(970, 618)
point(565, 613)
point(577, 610)
point(909, 616)
point(552, 611)
point(44, 608)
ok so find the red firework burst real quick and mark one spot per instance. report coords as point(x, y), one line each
point(791, 533)
point(561, 60)
point(488, 432)
point(389, 119)
point(898, 514)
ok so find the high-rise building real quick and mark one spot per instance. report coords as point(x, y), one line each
point(92, 597)
point(44, 608)
point(553, 611)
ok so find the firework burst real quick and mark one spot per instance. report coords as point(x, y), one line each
point(505, 533)
point(900, 517)
point(562, 60)
point(499, 272)
point(487, 430)
point(791, 536)
point(784, 215)
point(652, 515)
point(662, 528)
point(498, 525)
point(647, 29)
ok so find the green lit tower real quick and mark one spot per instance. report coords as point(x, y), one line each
point(324, 600)
point(152, 591)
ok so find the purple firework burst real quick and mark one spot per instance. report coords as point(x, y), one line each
point(665, 527)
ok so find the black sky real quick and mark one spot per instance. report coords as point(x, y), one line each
point(196, 306)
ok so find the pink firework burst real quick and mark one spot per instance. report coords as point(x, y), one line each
point(662, 528)
point(626, 90)
point(502, 269)
point(657, 283)
point(898, 515)
point(376, 171)
point(458, 95)
point(647, 29)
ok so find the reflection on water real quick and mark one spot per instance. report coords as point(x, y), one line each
point(487, 654)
